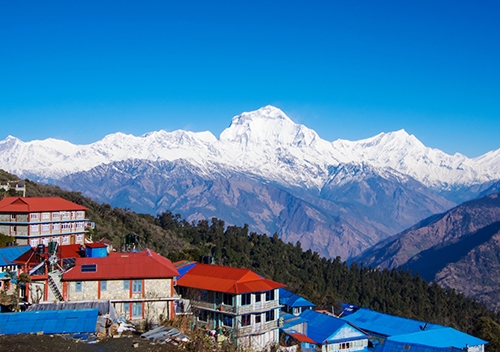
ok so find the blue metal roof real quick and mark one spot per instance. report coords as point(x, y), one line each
point(322, 327)
point(443, 338)
point(49, 322)
point(8, 254)
point(293, 300)
point(385, 324)
point(290, 320)
point(184, 269)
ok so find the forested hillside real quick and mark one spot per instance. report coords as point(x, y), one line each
point(325, 282)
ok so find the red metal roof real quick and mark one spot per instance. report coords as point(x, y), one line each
point(95, 245)
point(131, 265)
point(63, 252)
point(302, 338)
point(226, 279)
point(37, 204)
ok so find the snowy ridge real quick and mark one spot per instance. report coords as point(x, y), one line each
point(264, 143)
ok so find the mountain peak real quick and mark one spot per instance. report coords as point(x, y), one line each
point(267, 112)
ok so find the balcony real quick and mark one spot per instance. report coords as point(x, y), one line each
point(257, 328)
point(250, 308)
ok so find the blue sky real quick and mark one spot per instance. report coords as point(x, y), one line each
point(79, 70)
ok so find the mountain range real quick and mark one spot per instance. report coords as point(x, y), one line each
point(338, 198)
point(458, 249)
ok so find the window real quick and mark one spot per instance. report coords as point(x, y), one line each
point(56, 226)
point(56, 215)
point(137, 286)
point(45, 216)
point(126, 285)
point(126, 309)
point(203, 316)
point(246, 299)
point(203, 296)
point(270, 315)
point(65, 240)
point(137, 309)
point(45, 227)
point(258, 318)
point(104, 285)
point(34, 242)
point(79, 238)
point(258, 297)
point(34, 216)
point(89, 268)
point(245, 320)
point(13, 217)
point(270, 295)
point(78, 286)
point(227, 299)
point(33, 228)
point(227, 320)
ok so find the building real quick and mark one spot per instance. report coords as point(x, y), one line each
point(293, 303)
point(36, 220)
point(393, 333)
point(45, 265)
point(324, 332)
point(9, 269)
point(140, 285)
point(234, 302)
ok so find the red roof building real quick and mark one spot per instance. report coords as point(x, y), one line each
point(40, 220)
point(236, 300)
point(139, 284)
point(226, 279)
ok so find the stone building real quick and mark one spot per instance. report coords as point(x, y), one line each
point(140, 285)
point(234, 302)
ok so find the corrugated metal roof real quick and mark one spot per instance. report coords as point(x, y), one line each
point(96, 245)
point(37, 204)
point(63, 252)
point(322, 327)
point(293, 300)
point(301, 337)
point(184, 267)
point(443, 338)
point(9, 254)
point(291, 321)
point(49, 322)
point(225, 279)
point(131, 265)
point(385, 324)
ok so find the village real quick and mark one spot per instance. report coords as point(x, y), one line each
point(56, 279)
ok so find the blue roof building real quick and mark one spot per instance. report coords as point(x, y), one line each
point(437, 340)
point(293, 303)
point(401, 334)
point(7, 256)
point(385, 325)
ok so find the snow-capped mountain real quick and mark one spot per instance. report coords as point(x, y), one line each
point(265, 143)
point(336, 197)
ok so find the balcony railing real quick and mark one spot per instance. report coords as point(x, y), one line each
point(257, 328)
point(250, 308)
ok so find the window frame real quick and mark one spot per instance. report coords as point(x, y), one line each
point(246, 320)
point(137, 286)
point(246, 299)
point(137, 307)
